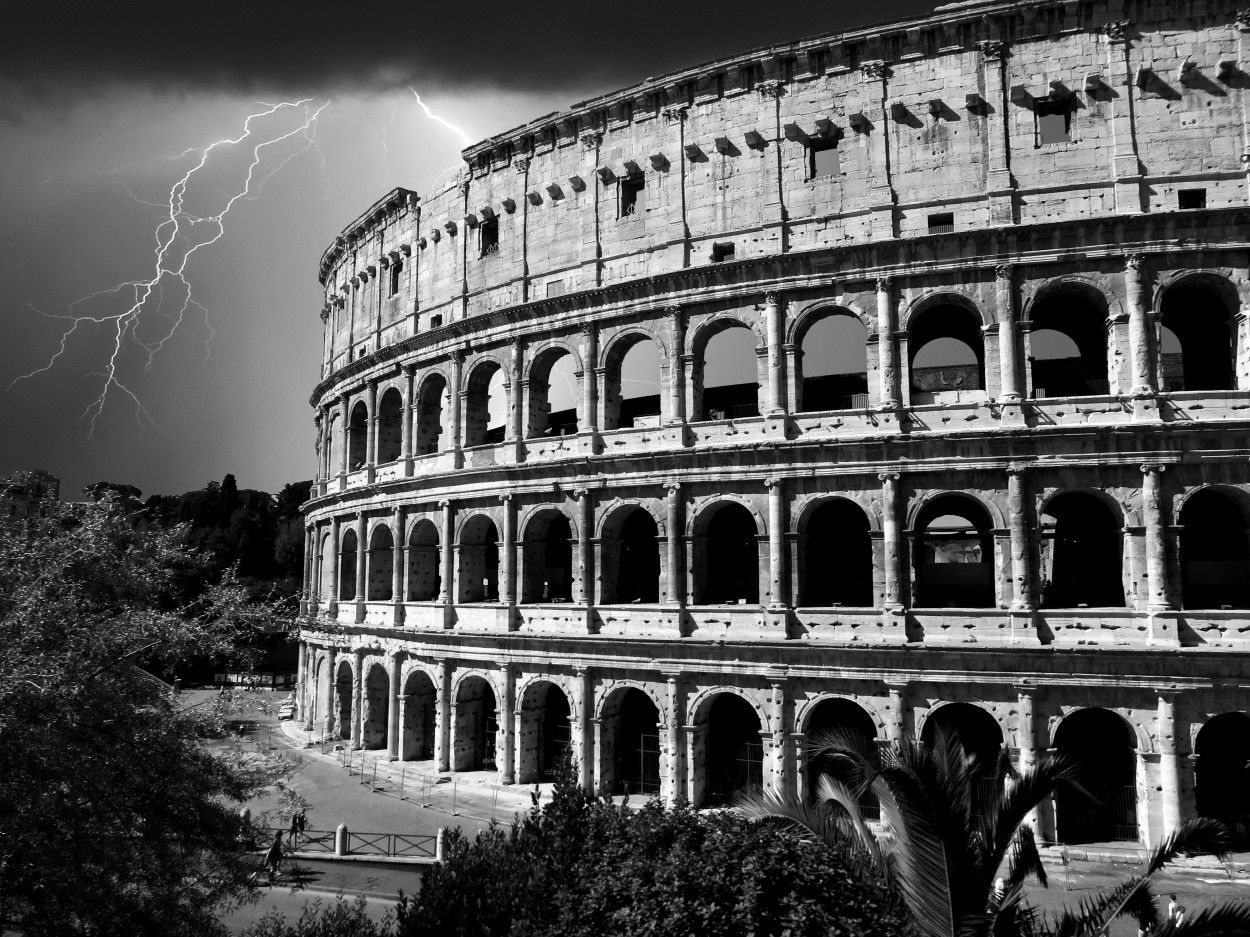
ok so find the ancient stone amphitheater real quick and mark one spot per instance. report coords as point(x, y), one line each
point(892, 380)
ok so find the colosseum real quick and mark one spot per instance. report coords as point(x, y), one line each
point(893, 380)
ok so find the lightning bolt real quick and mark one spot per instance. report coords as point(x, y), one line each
point(465, 139)
point(177, 238)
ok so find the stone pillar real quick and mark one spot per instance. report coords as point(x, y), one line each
point(891, 539)
point(588, 750)
point(1169, 765)
point(778, 782)
point(1142, 373)
point(1026, 738)
point(442, 732)
point(1008, 342)
point(674, 782)
point(1018, 524)
point(308, 602)
point(447, 555)
point(371, 445)
point(345, 448)
point(676, 585)
point(335, 575)
point(510, 715)
point(896, 713)
point(1156, 553)
point(507, 555)
point(362, 561)
point(358, 700)
point(1126, 167)
point(301, 676)
point(410, 410)
point(886, 346)
point(398, 566)
point(586, 524)
point(590, 354)
point(331, 713)
point(676, 375)
point(999, 183)
point(455, 403)
point(776, 375)
point(392, 711)
point(776, 543)
point(319, 430)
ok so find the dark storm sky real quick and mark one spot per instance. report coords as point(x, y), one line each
point(99, 104)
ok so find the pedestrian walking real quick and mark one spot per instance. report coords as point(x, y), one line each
point(294, 833)
point(303, 822)
point(273, 858)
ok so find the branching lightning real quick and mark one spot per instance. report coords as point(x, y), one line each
point(465, 139)
point(177, 238)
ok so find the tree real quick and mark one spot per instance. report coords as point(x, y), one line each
point(116, 820)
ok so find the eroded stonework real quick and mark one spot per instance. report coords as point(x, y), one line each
point(1021, 510)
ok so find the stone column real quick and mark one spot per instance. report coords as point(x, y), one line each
point(1018, 523)
point(776, 543)
point(588, 752)
point(398, 566)
point(442, 732)
point(1008, 344)
point(1156, 553)
point(673, 521)
point(335, 571)
point(320, 445)
point(1138, 326)
point(516, 397)
point(674, 775)
point(891, 539)
point(999, 183)
point(308, 603)
point(886, 346)
point(371, 446)
point(358, 699)
point(510, 716)
point(776, 375)
point(1169, 765)
point(676, 375)
point(779, 781)
point(455, 403)
point(896, 714)
point(332, 664)
point(392, 711)
point(590, 393)
point(410, 409)
point(447, 553)
point(1026, 737)
point(507, 555)
point(586, 524)
point(362, 561)
point(301, 675)
point(345, 448)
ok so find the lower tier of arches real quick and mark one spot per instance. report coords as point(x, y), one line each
point(1159, 748)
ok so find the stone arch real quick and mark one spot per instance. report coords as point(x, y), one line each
point(423, 555)
point(380, 571)
point(919, 504)
point(477, 554)
point(1091, 288)
point(913, 308)
point(343, 713)
point(349, 556)
point(613, 512)
point(544, 727)
point(629, 740)
point(697, 338)
point(618, 411)
point(943, 328)
point(428, 431)
point(478, 379)
point(953, 563)
point(701, 701)
point(543, 419)
point(842, 381)
point(1199, 308)
point(548, 535)
point(419, 709)
point(358, 436)
point(724, 401)
point(390, 424)
point(1214, 548)
point(1081, 536)
point(964, 717)
point(604, 692)
point(376, 696)
point(1222, 750)
point(1105, 743)
point(326, 586)
point(1069, 314)
point(803, 317)
point(630, 564)
point(728, 750)
point(835, 552)
point(847, 717)
point(726, 536)
point(705, 507)
point(333, 455)
point(475, 728)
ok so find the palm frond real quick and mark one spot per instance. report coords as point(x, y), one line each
point(789, 809)
point(1095, 912)
point(1025, 859)
point(1024, 795)
point(1202, 836)
point(1227, 919)
point(830, 789)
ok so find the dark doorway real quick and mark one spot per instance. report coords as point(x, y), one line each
point(837, 567)
point(1103, 745)
point(735, 751)
point(840, 721)
point(1223, 775)
point(1200, 320)
point(730, 572)
point(954, 554)
point(1215, 553)
point(1080, 554)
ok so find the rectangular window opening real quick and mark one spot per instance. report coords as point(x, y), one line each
point(396, 267)
point(489, 236)
point(823, 160)
point(943, 223)
point(1053, 121)
point(722, 252)
point(633, 196)
point(1192, 198)
point(436, 321)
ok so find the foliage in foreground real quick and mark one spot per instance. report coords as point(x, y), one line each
point(583, 869)
point(116, 820)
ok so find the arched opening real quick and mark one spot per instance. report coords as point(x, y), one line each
point(328, 557)
point(381, 568)
point(553, 394)
point(837, 556)
point(954, 554)
point(545, 732)
point(1201, 322)
point(727, 381)
point(1080, 553)
point(425, 580)
point(376, 716)
point(947, 354)
point(334, 451)
point(485, 406)
point(833, 364)
point(478, 576)
point(729, 570)
point(322, 696)
point(1222, 774)
point(631, 558)
point(390, 426)
point(476, 726)
point(358, 437)
point(417, 724)
point(1102, 743)
point(343, 701)
point(631, 384)
point(1215, 552)
point(735, 751)
point(347, 567)
point(630, 736)
point(981, 739)
point(548, 559)
point(1068, 346)
point(840, 721)
point(433, 400)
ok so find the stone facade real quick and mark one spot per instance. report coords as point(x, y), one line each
point(1046, 549)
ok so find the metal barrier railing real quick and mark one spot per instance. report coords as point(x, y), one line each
point(343, 842)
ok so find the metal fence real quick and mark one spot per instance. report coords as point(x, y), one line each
point(388, 845)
